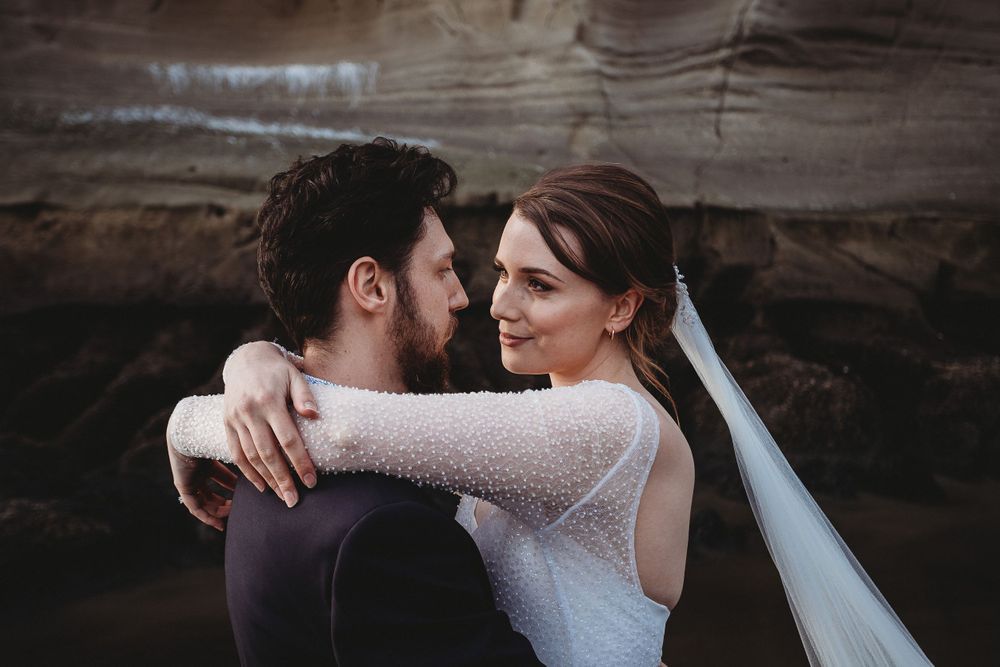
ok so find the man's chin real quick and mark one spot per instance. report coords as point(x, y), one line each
point(430, 378)
point(452, 328)
point(422, 357)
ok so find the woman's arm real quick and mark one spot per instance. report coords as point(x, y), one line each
point(533, 453)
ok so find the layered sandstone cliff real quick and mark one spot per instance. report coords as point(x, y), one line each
point(832, 170)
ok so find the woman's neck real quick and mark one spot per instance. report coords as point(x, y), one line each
point(612, 366)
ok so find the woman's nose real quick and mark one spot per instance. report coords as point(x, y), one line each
point(502, 308)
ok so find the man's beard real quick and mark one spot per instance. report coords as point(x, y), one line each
point(423, 363)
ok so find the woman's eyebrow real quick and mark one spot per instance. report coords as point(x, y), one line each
point(532, 269)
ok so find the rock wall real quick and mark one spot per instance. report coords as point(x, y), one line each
point(831, 169)
point(761, 104)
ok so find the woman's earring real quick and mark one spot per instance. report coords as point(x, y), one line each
point(612, 334)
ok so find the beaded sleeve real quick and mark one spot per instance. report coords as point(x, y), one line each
point(533, 453)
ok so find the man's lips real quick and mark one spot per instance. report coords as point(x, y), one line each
point(511, 340)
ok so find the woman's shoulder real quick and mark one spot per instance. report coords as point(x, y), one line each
point(673, 451)
point(674, 458)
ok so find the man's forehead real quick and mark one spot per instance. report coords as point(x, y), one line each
point(436, 239)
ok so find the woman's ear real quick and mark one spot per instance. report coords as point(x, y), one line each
point(369, 284)
point(625, 308)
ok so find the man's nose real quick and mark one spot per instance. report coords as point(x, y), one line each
point(460, 300)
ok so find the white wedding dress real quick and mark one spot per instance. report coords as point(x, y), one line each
point(563, 470)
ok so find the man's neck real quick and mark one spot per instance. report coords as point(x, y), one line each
point(362, 361)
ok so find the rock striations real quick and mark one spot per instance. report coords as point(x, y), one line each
point(832, 172)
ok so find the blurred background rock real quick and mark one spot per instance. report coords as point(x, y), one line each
point(833, 175)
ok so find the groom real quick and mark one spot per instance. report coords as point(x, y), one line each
point(365, 570)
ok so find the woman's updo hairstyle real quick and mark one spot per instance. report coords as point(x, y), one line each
point(625, 242)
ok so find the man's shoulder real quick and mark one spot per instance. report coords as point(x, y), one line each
point(405, 517)
point(366, 490)
point(326, 512)
point(407, 536)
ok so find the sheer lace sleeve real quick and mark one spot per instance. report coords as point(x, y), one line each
point(533, 453)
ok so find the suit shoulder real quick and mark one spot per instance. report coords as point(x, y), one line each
point(403, 521)
point(356, 494)
point(392, 543)
point(430, 540)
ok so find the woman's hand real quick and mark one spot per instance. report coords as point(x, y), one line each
point(260, 431)
point(194, 479)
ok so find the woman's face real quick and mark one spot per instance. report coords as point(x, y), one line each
point(551, 319)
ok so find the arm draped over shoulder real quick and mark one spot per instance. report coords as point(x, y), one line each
point(533, 453)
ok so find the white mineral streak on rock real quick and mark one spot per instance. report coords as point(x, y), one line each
point(174, 116)
point(352, 79)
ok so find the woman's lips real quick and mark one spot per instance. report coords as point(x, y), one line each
point(512, 341)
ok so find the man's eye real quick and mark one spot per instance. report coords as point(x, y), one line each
point(499, 269)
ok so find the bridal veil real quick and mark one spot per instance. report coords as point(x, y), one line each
point(841, 616)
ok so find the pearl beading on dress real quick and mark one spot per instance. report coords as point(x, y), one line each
point(564, 468)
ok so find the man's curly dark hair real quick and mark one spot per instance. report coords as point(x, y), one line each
point(325, 212)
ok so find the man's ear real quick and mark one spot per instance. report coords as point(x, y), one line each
point(625, 307)
point(369, 284)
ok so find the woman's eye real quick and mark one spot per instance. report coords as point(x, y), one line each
point(538, 285)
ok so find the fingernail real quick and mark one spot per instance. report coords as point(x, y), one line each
point(311, 406)
point(309, 479)
point(290, 499)
point(260, 486)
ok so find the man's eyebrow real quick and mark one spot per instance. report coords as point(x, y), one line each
point(450, 254)
point(533, 269)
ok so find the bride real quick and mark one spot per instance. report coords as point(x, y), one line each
point(579, 496)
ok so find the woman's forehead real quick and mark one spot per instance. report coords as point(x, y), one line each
point(522, 242)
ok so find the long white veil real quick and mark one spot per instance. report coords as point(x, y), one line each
point(842, 617)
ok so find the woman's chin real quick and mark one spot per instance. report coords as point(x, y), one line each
point(513, 363)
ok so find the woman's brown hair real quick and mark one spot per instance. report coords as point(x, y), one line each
point(625, 243)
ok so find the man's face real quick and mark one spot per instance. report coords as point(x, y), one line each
point(428, 293)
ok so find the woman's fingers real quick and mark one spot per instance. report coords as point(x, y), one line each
point(287, 435)
point(270, 457)
point(216, 505)
point(223, 476)
point(302, 396)
point(195, 505)
point(255, 463)
point(208, 519)
point(240, 459)
point(262, 435)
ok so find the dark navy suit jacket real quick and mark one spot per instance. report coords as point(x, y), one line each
point(364, 570)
